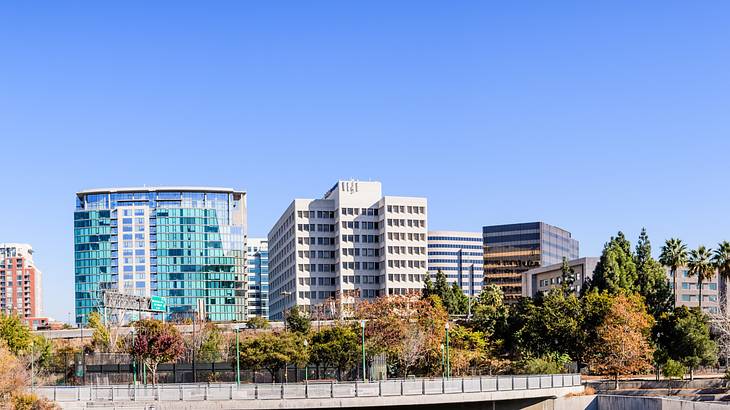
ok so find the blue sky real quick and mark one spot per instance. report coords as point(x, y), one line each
point(595, 117)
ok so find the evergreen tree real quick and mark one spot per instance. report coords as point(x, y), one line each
point(460, 300)
point(428, 288)
point(685, 337)
point(616, 269)
point(652, 282)
point(567, 279)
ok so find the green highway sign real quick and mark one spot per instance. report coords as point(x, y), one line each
point(158, 304)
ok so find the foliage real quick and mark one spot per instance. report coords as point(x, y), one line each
point(673, 369)
point(673, 255)
point(13, 375)
point(490, 314)
point(392, 322)
point(699, 264)
point(336, 347)
point(210, 346)
point(155, 342)
point(453, 298)
point(258, 322)
point(15, 334)
point(652, 281)
point(567, 277)
point(685, 337)
point(551, 363)
point(471, 349)
point(298, 322)
point(616, 269)
point(101, 338)
point(721, 260)
point(551, 325)
point(29, 401)
point(622, 346)
point(272, 351)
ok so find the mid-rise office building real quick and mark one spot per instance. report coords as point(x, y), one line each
point(20, 283)
point(257, 250)
point(513, 249)
point(352, 244)
point(687, 292)
point(459, 256)
point(545, 278)
point(185, 244)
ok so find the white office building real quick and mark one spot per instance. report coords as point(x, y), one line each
point(353, 244)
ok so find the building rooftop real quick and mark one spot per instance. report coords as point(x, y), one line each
point(181, 188)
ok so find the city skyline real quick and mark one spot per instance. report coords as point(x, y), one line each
point(588, 118)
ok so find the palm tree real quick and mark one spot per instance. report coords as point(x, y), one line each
point(673, 256)
point(721, 260)
point(700, 264)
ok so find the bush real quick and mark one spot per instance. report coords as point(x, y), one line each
point(552, 363)
point(28, 401)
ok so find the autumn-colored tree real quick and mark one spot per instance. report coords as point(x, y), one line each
point(392, 322)
point(101, 338)
point(622, 346)
point(13, 376)
point(155, 342)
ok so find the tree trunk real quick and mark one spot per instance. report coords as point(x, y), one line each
point(153, 369)
point(699, 285)
point(674, 276)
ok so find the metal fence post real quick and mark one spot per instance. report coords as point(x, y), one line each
point(380, 388)
point(231, 393)
point(182, 394)
point(256, 391)
point(306, 389)
point(423, 386)
point(332, 389)
point(205, 397)
point(356, 395)
point(443, 385)
point(481, 383)
point(134, 393)
point(159, 392)
point(401, 386)
point(462, 385)
point(282, 390)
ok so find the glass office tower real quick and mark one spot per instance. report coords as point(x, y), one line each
point(512, 249)
point(185, 244)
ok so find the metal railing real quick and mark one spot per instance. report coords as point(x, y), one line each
point(307, 390)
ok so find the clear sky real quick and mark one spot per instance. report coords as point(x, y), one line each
point(593, 116)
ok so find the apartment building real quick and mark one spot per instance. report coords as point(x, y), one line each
point(20, 283)
point(544, 278)
point(257, 250)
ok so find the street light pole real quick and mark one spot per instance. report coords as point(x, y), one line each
point(362, 326)
point(238, 360)
point(448, 358)
point(306, 365)
point(443, 361)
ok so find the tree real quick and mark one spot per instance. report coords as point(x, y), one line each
point(673, 370)
point(298, 322)
point(155, 342)
point(13, 376)
point(652, 282)
point(567, 277)
point(15, 334)
point(552, 363)
point(460, 300)
point(673, 256)
point(428, 287)
point(101, 338)
point(392, 322)
point(721, 260)
point(336, 347)
point(272, 351)
point(622, 346)
point(700, 265)
point(685, 336)
point(615, 269)
point(211, 343)
point(446, 294)
point(258, 322)
point(490, 313)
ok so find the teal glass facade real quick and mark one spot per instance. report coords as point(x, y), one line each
point(186, 245)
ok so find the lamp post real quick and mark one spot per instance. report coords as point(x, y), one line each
point(448, 358)
point(134, 358)
point(306, 365)
point(284, 293)
point(443, 361)
point(362, 326)
point(238, 359)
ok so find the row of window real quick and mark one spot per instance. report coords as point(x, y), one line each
point(360, 225)
point(410, 250)
point(316, 227)
point(401, 209)
point(313, 240)
point(360, 211)
point(411, 223)
point(410, 236)
point(316, 214)
point(406, 264)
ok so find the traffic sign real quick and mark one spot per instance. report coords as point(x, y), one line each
point(158, 304)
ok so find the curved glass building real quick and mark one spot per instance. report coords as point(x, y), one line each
point(185, 244)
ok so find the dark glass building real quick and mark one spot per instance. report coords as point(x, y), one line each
point(512, 249)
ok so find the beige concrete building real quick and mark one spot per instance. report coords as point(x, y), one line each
point(548, 277)
point(687, 293)
point(352, 244)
